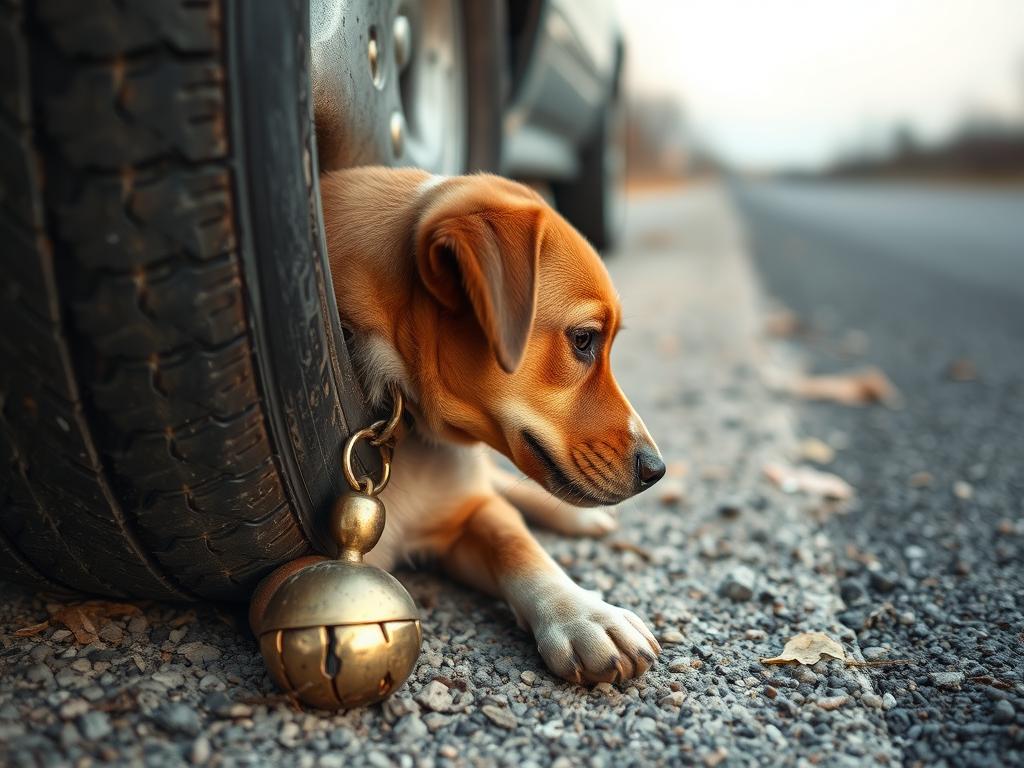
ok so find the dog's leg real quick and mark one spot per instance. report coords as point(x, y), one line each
point(544, 509)
point(581, 637)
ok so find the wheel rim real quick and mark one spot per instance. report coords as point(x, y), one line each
point(389, 83)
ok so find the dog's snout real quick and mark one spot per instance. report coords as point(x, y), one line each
point(649, 468)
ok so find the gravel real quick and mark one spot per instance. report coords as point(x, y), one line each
point(177, 684)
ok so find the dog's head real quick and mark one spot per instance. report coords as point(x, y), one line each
point(526, 319)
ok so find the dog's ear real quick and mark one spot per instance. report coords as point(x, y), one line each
point(489, 257)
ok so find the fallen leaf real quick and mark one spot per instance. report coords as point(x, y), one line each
point(85, 619)
point(807, 480)
point(35, 629)
point(962, 369)
point(807, 648)
point(862, 387)
point(818, 451)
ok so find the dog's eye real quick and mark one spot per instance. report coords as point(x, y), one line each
point(582, 342)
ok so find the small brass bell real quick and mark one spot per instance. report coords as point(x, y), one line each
point(338, 633)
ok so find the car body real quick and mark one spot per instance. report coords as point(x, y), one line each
point(526, 88)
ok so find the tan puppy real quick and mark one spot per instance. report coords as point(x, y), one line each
point(496, 318)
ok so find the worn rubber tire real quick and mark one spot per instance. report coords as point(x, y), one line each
point(174, 387)
point(592, 202)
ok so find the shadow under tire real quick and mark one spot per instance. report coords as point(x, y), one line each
point(592, 202)
point(174, 387)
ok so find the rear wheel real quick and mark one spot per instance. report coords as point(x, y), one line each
point(174, 384)
point(593, 199)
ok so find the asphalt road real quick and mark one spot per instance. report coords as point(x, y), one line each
point(912, 279)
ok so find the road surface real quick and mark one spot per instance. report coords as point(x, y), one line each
point(917, 280)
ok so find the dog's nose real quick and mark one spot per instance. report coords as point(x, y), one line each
point(649, 468)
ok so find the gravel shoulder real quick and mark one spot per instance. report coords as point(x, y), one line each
point(723, 565)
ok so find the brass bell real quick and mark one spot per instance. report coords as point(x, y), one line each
point(338, 633)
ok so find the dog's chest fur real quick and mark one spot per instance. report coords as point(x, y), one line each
point(432, 490)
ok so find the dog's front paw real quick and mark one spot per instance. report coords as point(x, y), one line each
point(590, 521)
point(586, 640)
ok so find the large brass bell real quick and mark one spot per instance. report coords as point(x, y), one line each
point(340, 633)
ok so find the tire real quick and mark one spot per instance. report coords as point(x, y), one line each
point(174, 384)
point(592, 201)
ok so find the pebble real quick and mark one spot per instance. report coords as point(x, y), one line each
point(94, 725)
point(888, 701)
point(528, 676)
point(199, 653)
point(950, 680)
point(805, 675)
point(178, 718)
point(74, 708)
point(201, 751)
point(872, 700)
point(738, 585)
point(60, 635)
point(435, 721)
point(874, 653)
point(288, 734)
point(111, 633)
point(831, 703)
point(673, 700)
point(672, 636)
point(39, 673)
point(169, 679)
point(882, 581)
point(963, 490)
point(914, 552)
point(176, 635)
point(411, 728)
point(435, 696)
point(499, 716)
point(211, 683)
point(1003, 713)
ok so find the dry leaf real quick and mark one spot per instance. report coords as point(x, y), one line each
point(85, 619)
point(35, 629)
point(861, 387)
point(807, 648)
point(807, 480)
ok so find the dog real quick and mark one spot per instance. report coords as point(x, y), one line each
point(495, 318)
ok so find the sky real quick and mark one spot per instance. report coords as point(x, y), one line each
point(768, 83)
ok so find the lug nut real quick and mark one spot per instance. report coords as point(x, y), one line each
point(397, 133)
point(373, 51)
point(402, 34)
